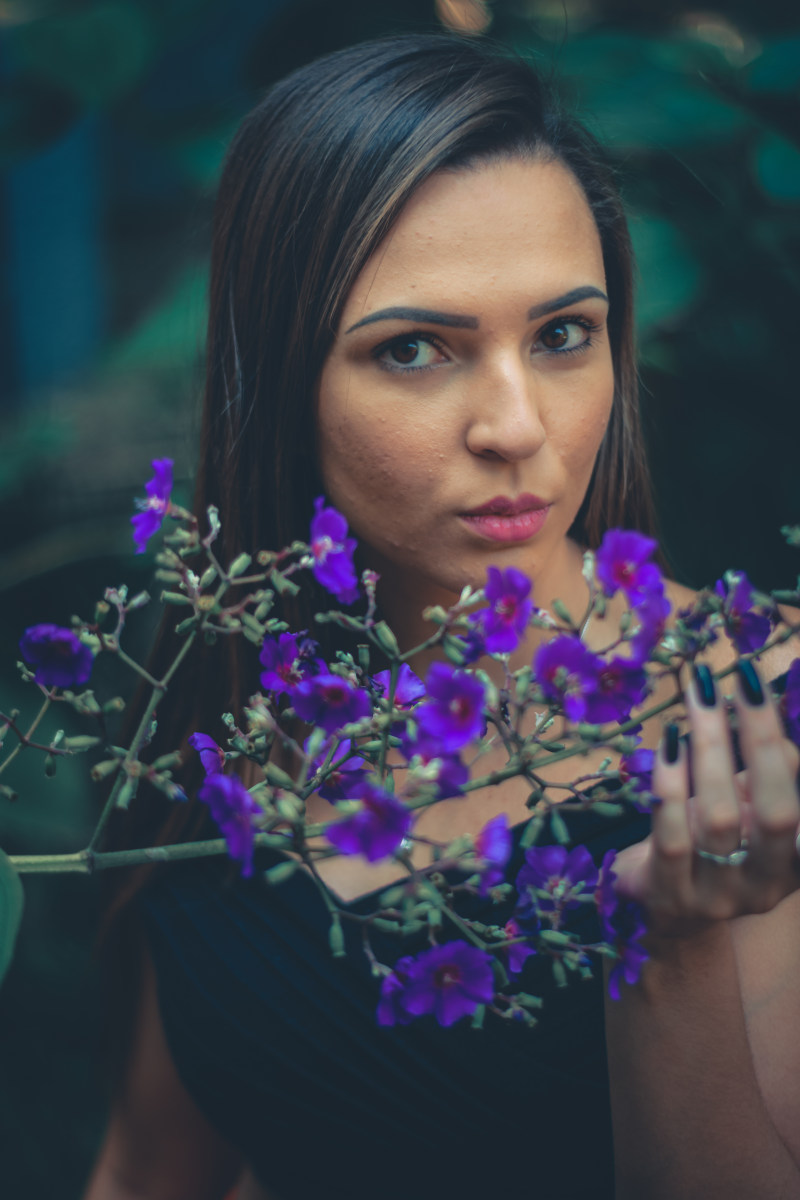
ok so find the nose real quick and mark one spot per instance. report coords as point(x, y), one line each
point(505, 419)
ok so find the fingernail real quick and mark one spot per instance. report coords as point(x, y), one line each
point(751, 684)
point(704, 682)
point(671, 746)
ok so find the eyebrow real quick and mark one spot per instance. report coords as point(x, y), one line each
point(573, 297)
point(431, 316)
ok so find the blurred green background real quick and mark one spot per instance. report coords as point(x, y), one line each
point(114, 115)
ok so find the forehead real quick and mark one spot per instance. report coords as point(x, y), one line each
point(510, 227)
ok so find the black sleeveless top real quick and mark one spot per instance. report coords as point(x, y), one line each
point(278, 1044)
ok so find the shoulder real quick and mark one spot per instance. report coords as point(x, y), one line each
point(776, 661)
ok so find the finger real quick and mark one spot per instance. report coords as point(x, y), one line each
point(771, 771)
point(717, 819)
point(671, 832)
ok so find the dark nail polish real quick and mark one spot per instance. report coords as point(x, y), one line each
point(672, 745)
point(704, 681)
point(751, 684)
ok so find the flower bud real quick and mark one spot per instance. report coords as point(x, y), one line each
point(282, 585)
point(264, 606)
point(336, 937)
point(81, 742)
point(554, 937)
point(386, 639)
point(278, 777)
point(127, 792)
point(281, 872)
point(239, 565)
point(167, 761)
point(174, 598)
point(562, 612)
point(435, 613)
point(102, 770)
point(213, 521)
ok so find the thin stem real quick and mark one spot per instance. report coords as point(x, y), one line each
point(135, 746)
point(137, 667)
point(25, 738)
point(395, 669)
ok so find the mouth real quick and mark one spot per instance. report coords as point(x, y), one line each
point(504, 520)
point(501, 506)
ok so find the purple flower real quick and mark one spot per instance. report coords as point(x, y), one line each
point(622, 923)
point(409, 689)
point(652, 613)
point(638, 767)
point(453, 713)
point(504, 623)
point(344, 776)
point(567, 673)
point(212, 756)
point(376, 830)
point(391, 1010)
point(552, 879)
point(519, 952)
point(287, 661)
point(620, 685)
point(155, 507)
point(452, 774)
point(632, 955)
point(747, 628)
point(790, 702)
point(449, 981)
point(333, 552)
point(232, 807)
point(605, 897)
point(330, 702)
point(472, 645)
point(493, 849)
point(58, 654)
point(623, 562)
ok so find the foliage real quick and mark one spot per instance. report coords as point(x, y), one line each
point(567, 701)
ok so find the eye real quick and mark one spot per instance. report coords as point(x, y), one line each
point(567, 334)
point(410, 352)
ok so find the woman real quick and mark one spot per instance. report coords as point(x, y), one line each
point(421, 307)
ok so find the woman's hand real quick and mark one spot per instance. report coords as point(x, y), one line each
point(681, 873)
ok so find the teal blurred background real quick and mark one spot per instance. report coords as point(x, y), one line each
point(114, 115)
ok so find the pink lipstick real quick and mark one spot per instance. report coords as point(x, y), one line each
point(505, 520)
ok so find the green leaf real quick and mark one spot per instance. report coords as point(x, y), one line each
point(12, 900)
point(95, 54)
point(646, 93)
point(777, 167)
point(558, 828)
point(172, 333)
point(200, 158)
point(777, 68)
point(670, 277)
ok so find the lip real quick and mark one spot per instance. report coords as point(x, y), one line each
point(504, 507)
point(505, 520)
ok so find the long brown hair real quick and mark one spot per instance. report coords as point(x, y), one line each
point(313, 181)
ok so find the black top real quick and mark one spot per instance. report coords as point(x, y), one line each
point(277, 1042)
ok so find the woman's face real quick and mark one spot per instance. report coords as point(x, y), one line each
point(466, 394)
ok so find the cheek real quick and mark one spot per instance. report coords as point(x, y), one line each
point(368, 463)
point(580, 438)
point(578, 441)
